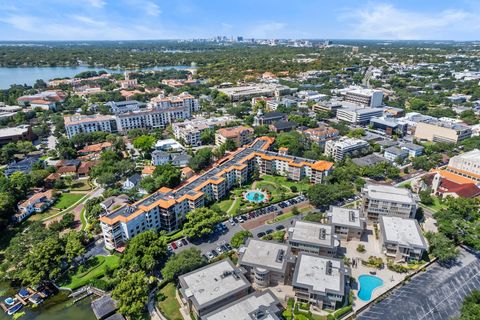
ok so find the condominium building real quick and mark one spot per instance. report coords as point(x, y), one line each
point(267, 263)
point(166, 208)
point(402, 239)
point(438, 131)
point(256, 90)
point(367, 97)
point(466, 165)
point(214, 286)
point(383, 200)
point(345, 146)
point(241, 135)
point(189, 132)
point(259, 305)
point(124, 106)
point(85, 124)
point(321, 135)
point(313, 238)
point(347, 223)
point(357, 114)
point(320, 281)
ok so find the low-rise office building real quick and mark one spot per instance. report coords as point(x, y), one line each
point(214, 286)
point(402, 239)
point(395, 154)
point(313, 238)
point(389, 125)
point(13, 134)
point(320, 281)
point(357, 114)
point(241, 135)
point(383, 200)
point(260, 305)
point(347, 223)
point(414, 150)
point(367, 97)
point(267, 263)
point(346, 147)
point(438, 131)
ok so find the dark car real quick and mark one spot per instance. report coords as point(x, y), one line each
point(269, 231)
point(228, 246)
point(261, 234)
point(184, 241)
point(214, 253)
point(280, 227)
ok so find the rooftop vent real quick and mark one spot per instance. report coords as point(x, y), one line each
point(280, 255)
point(328, 268)
point(351, 216)
point(323, 234)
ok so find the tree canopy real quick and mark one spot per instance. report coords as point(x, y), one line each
point(200, 222)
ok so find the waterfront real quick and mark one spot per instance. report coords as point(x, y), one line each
point(28, 75)
point(57, 307)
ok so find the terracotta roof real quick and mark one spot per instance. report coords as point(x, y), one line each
point(453, 177)
point(95, 147)
point(67, 169)
point(47, 194)
point(148, 170)
point(467, 190)
point(233, 132)
point(52, 177)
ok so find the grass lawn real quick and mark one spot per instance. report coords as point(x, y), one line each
point(224, 205)
point(282, 181)
point(67, 199)
point(97, 269)
point(81, 185)
point(436, 206)
point(168, 304)
point(235, 207)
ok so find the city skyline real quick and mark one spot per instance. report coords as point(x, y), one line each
point(184, 19)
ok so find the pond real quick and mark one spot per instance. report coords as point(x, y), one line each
point(28, 75)
point(368, 284)
point(57, 307)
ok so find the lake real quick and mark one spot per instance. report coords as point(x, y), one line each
point(57, 307)
point(28, 75)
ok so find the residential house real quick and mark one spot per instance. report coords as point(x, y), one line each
point(37, 203)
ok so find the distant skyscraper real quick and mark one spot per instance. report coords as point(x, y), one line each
point(239, 39)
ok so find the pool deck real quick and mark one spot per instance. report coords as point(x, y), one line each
point(373, 248)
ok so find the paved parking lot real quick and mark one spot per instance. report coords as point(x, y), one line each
point(436, 294)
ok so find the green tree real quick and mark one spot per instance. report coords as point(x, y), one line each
point(144, 252)
point(144, 143)
point(239, 238)
point(200, 222)
point(183, 262)
point(201, 159)
point(441, 247)
point(470, 309)
point(131, 293)
point(207, 136)
point(167, 175)
point(74, 245)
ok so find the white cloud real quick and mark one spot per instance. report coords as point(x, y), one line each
point(97, 3)
point(269, 29)
point(385, 21)
point(88, 20)
point(151, 8)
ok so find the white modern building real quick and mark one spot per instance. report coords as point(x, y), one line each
point(357, 114)
point(382, 200)
point(347, 223)
point(345, 146)
point(320, 281)
point(466, 164)
point(311, 237)
point(85, 124)
point(402, 239)
point(367, 97)
point(189, 132)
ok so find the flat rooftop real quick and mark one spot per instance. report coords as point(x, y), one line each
point(405, 232)
point(345, 217)
point(212, 283)
point(473, 155)
point(389, 193)
point(14, 131)
point(264, 254)
point(248, 308)
point(319, 274)
point(311, 232)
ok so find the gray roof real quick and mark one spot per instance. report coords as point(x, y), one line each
point(264, 254)
point(212, 283)
point(104, 307)
point(259, 305)
point(351, 218)
point(389, 193)
point(412, 146)
point(281, 125)
point(369, 160)
point(405, 232)
point(135, 178)
point(312, 233)
point(396, 151)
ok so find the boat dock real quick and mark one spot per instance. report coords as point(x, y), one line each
point(21, 299)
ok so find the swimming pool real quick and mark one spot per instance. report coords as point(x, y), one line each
point(255, 196)
point(368, 284)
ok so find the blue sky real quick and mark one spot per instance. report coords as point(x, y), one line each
point(186, 19)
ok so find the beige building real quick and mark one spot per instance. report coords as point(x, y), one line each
point(437, 131)
point(466, 165)
point(241, 135)
point(382, 200)
point(347, 223)
point(311, 237)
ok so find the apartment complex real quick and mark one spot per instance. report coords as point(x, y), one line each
point(241, 135)
point(321, 135)
point(320, 281)
point(438, 131)
point(255, 90)
point(347, 223)
point(357, 114)
point(160, 112)
point(85, 124)
point(256, 306)
point(383, 200)
point(209, 288)
point(124, 106)
point(345, 147)
point(466, 165)
point(367, 97)
point(311, 237)
point(402, 239)
point(166, 208)
point(189, 132)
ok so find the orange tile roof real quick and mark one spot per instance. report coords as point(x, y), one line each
point(453, 177)
point(148, 170)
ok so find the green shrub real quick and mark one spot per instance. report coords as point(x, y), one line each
point(361, 248)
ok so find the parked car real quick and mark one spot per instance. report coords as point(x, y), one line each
point(179, 243)
point(169, 248)
point(228, 246)
point(214, 253)
point(269, 231)
point(174, 246)
point(261, 234)
point(210, 255)
point(184, 241)
point(280, 227)
point(219, 249)
point(240, 219)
